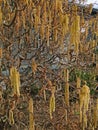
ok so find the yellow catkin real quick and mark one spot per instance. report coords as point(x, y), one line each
point(23, 18)
point(11, 117)
point(36, 20)
point(44, 13)
point(65, 24)
point(44, 92)
point(31, 114)
point(67, 94)
point(27, 2)
point(38, 14)
point(66, 115)
point(84, 97)
point(52, 103)
point(0, 94)
point(0, 16)
point(66, 75)
point(15, 81)
point(0, 52)
point(34, 66)
point(97, 63)
point(90, 8)
point(60, 6)
point(75, 33)
point(18, 84)
point(47, 34)
point(42, 30)
point(95, 114)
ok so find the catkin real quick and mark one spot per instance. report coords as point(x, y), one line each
point(42, 30)
point(52, 103)
point(31, 115)
point(0, 16)
point(95, 114)
point(34, 66)
point(47, 35)
point(0, 52)
point(75, 33)
point(67, 94)
point(11, 117)
point(44, 13)
point(97, 62)
point(23, 18)
point(84, 97)
point(44, 95)
point(66, 75)
point(15, 81)
point(65, 24)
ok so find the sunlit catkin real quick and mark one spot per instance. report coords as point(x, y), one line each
point(0, 16)
point(66, 75)
point(67, 94)
point(44, 92)
point(65, 24)
point(84, 97)
point(52, 103)
point(75, 33)
point(47, 34)
point(31, 114)
point(15, 81)
point(0, 52)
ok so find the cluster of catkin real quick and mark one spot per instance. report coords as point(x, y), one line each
point(84, 97)
point(48, 18)
point(15, 81)
point(75, 30)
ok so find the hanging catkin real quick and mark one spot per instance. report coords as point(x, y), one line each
point(11, 117)
point(44, 92)
point(42, 30)
point(38, 14)
point(34, 66)
point(15, 81)
point(97, 63)
point(65, 24)
point(52, 103)
point(0, 16)
point(75, 31)
point(23, 18)
point(66, 75)
point(47, 34)
point(0, 52)
point(84, 97)
point(67, 94)
point(44, 13)
point(31, 114)
point(95, 114)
